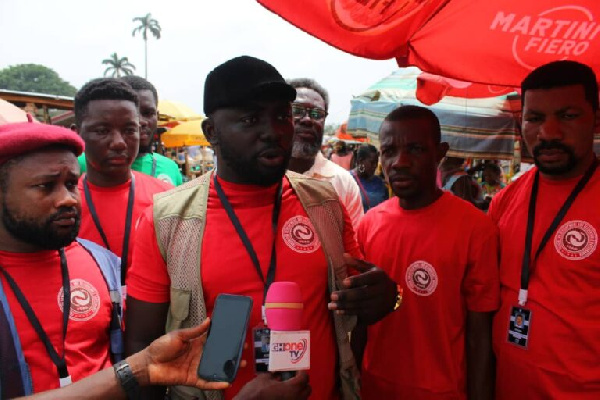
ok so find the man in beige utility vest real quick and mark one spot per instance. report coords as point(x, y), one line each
point(289, 228)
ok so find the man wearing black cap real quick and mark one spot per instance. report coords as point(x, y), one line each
point(249, 224)
point(59, 298)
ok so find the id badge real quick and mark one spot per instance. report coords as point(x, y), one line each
point(261, 336)
point(519, 326)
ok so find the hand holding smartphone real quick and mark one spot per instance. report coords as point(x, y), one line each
point(223, 349)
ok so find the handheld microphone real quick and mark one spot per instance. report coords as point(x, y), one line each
point(289, 349)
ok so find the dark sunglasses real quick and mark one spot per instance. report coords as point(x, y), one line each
point(316, 114)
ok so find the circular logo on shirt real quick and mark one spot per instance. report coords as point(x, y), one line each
point(85, 300)
point(421, 278)
point(576, 240)
point(165, 178)
point(299, 234)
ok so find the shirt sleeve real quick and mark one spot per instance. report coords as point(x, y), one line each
point(481, 286)
point(352, 201)
point(175, 173)
point(350, 243)
point(148, 279)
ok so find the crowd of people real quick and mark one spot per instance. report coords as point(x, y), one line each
point(108, 278)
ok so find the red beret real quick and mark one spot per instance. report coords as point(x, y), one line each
point(26, 137)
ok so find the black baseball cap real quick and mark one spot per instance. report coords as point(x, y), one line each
point(241, 79)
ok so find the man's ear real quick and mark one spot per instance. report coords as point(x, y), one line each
point(208, 128)
point(442, 149)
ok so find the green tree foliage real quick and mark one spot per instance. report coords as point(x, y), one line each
point(146, 24)
point(118, 66)
point(35, 78)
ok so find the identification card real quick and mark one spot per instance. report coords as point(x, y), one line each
point(519, 325)
point(261, 336)
point(66, 381)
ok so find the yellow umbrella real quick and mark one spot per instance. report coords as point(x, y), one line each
point(185, 134)
point(173, 110)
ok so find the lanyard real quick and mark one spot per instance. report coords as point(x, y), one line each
point(527, 261)
point(246, 241)
point(153, 173)
point(59, 362)
point(128, 217)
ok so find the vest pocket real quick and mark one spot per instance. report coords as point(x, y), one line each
point(179, 308)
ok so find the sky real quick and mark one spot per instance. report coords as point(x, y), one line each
point(73, 37)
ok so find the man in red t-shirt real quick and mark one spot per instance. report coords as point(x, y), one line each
point(547, 332)
point(40, 217)
point(250, 125)
point(443, 250)
point(107, 118)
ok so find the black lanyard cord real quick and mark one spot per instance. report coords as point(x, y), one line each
point(244, 237)
point(59, 362)
point(128, 218)
point(527, 261)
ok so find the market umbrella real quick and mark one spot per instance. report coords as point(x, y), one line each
point(10, 113)
point(342, 134)
point(491, 42)
point(484, 128)
point(185, 134)
point(174, 110)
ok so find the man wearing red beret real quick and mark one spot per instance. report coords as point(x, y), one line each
point(113, 196)
point(59, 297)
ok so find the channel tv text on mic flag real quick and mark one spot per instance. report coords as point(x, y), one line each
point(290, 344)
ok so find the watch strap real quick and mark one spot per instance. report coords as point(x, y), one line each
point(127, 380)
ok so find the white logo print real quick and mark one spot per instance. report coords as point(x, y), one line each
point(165, 178)
point(299, 234)
point(85, 300)
point(576, 240)
point(558, 33)
point(421, 278)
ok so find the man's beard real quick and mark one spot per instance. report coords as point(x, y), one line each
point(305, 150)
point(558, 169)
point(249, 170)
point(41, 233)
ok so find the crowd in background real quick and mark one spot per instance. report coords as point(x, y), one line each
point(409, 290)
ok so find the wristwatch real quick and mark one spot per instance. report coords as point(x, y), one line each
point(128, 382)
point(399, 292)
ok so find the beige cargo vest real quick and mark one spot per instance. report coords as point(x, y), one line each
point(179, 219)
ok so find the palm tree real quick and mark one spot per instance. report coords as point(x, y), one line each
point(118, 66)
point(147, 23)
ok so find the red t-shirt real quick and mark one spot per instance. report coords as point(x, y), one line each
point(39, 277)
point(227, 268)
point(111, 206)
point(562, 360)
point(445, 257)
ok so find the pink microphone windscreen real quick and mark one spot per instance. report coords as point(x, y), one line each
point(284, 307)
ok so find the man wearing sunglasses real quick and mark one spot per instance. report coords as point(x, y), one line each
point(309, 111)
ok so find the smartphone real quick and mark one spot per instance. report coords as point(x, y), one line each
point(223, 349)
